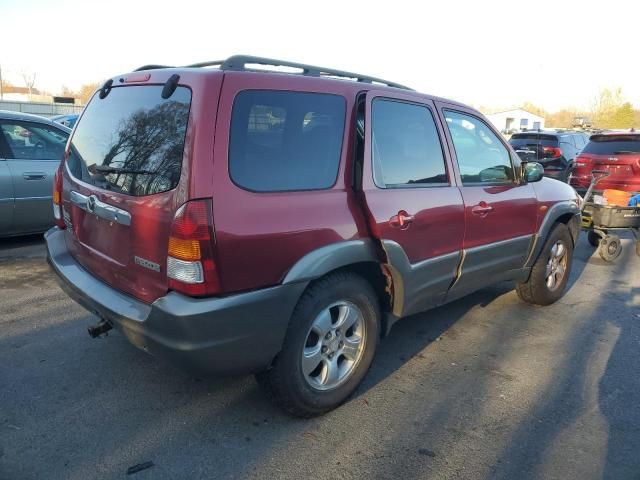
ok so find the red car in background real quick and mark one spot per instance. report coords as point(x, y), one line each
point(616, 153)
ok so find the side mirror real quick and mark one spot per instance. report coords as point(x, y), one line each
point(532, 172)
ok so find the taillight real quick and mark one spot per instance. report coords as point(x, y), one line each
point(552, 152)
point(57, 198)
point(191, 267)
point(582, 161)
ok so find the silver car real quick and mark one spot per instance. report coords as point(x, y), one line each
point(31, 148)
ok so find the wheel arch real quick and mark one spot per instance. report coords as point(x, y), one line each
point(567, 213)
point(358, 256)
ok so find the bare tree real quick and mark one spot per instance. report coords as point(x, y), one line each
point(29, 81)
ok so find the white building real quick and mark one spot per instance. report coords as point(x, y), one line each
point(516, 120)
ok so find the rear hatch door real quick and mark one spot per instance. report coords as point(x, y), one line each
point(534, 147)
point(619, 155)
point(123, 167)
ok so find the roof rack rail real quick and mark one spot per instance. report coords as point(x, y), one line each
point(241, 63)
point(151, 67)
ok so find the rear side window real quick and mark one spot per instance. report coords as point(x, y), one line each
point(132, 141)
point(283, 141)
point(406, 147)
point(613, 144)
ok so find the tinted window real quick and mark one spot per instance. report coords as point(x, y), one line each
point(285, 140)
point(613, 144)
point(406, 146)
point(482, 158)
point(534, 136)
point(132, 141)
point(32, 141)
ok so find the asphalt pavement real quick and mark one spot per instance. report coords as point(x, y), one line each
point(487, 387)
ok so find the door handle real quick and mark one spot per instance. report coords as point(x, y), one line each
point(482, 209)
point(34, 176)
point(402, 220)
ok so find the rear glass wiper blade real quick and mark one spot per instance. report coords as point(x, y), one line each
point(108, 169)
point(621, 152)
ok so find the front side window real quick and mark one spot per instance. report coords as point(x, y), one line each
point(406, 147)
point(31, 141)
point(482, 158)
point(285, 141)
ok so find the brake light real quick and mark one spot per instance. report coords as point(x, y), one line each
point(552, 152)
point(582, 161)
point(191, 267)
point(57, 198)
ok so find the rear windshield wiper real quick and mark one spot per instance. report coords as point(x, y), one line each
point(621, 152)
point(108, 169)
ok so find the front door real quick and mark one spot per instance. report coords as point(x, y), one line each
point(414, 207)
point(500, 211)
point(35, 151)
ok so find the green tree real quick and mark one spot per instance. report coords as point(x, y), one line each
point(605, 106)
point(623, 117)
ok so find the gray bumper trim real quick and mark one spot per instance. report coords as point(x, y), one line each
point(236, 334)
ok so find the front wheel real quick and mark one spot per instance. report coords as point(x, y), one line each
point(550, 272)
point(328, 348)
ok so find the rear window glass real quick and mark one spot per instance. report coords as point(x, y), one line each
point(286, 140)
point(132, 141)
point(613, 144)
point(534, 136)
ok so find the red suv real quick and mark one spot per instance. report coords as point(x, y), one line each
point(234, 220)
point(616, 153)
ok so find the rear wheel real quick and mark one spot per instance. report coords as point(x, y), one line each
point(610, 248)
point(550, 272)
point(328, 348)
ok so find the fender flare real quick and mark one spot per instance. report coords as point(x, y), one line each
point(325, 259)
point(552, 216)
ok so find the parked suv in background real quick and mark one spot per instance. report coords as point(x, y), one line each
point(616, 153)
point(241, 221)
point(555, 150)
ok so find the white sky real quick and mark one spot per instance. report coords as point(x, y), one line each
point(493, 53)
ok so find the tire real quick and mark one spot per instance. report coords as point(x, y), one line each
point(307, 392)
point(610, 248)
point(539, 289)
point(638, 248)
point(593, 238)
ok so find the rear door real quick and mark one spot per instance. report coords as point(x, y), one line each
point(125, 178)
point(500, 213)
point(413, 205)
point(35, 151)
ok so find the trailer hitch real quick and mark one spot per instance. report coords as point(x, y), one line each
point(96, 330)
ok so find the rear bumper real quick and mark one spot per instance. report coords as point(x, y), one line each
point(236, 334)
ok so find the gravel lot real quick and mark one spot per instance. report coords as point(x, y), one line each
point(487, 387)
